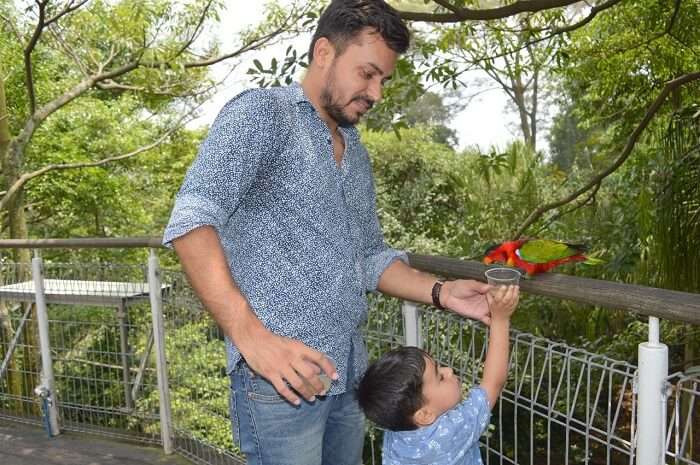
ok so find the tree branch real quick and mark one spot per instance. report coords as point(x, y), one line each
point(589, 199)
point(572, 27)
point(250, 46)
point(29, 75)
point(40, 114)
point(68, 9)
point(468, 14)
point(26, 177)
point(12, 26)
point(197, 29)
point(631, 142)
point(667, 31)
point(555, 32)
point(44, 112)
point(112, 85)
point(68, 50)
point(448, 6)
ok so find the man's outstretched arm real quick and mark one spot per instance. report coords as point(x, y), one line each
point(464, 296)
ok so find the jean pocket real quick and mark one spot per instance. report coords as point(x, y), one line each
point(261, 390)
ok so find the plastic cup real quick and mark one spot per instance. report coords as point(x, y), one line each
point(326, 381)
point(503, 276)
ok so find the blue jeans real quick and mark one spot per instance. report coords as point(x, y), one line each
point(271, 431)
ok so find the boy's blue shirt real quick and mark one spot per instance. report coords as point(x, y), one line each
point(453, 439)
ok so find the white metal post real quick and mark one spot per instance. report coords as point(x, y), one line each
point(47, 387)
point(124, 349)
point(411, 324)
point(653, 370)
point(154, 290)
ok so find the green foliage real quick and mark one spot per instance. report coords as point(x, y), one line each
point(159, 69)
point(199, 384)
point(419, 191)
point(614, 68)
point(677, 228)
point(570, 144)
point(433, 200)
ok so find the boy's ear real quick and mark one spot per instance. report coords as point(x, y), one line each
point(423, 417)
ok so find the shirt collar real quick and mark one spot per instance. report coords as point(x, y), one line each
point(299, 97)
point(298, 93)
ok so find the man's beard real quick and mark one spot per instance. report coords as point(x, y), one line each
point(335, 109)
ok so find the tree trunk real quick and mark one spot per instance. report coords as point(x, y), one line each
point(16, 218)
point(14, 382)
point(533, 112)
point(521, 104)
point(4, 123)
point(11, 159)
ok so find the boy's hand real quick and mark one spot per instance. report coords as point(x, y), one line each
point(502, 301)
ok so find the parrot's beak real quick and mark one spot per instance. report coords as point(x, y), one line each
point(488, 260)
point(510, 262)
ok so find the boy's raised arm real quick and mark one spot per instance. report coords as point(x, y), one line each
point(502, 304)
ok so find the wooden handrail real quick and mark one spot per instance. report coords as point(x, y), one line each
point(650, 301)
point(83, 243)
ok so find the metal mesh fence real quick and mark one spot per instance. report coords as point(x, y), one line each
point(682, 436)
point(561, 405)
point(101, 341)
point(199, 385)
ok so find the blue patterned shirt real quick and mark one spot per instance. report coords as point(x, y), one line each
point(453, 439)
point(300, 232)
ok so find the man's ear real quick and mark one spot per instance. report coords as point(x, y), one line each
point(423, 417)
point(324, 52)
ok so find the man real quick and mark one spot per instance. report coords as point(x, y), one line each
point(276, 228)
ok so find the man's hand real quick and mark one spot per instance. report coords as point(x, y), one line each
point(286, 362)
point(467, 297)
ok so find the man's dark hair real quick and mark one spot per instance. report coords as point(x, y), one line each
point(343, 20)
point(391, 390)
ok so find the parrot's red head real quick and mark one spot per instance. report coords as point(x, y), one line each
point(502, 253)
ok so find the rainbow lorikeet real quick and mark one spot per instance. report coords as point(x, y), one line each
point(537, 255)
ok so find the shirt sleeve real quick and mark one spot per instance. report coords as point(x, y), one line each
point(242, 135)
point(378, 257)
point(377, 254)
point(471, 417)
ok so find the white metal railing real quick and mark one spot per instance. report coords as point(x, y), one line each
point(561, 404)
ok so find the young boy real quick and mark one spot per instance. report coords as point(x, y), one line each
point(419, 403)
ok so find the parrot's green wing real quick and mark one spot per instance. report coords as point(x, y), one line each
point(545, 251)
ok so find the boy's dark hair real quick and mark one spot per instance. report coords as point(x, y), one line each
point(343, 20)
point(391, 390)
